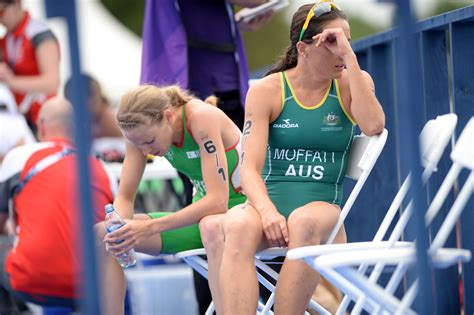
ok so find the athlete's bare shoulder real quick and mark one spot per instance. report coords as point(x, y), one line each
point(200, 110)
point(267, 88)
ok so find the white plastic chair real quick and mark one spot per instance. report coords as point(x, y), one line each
point(362, 157)
point(339, 270)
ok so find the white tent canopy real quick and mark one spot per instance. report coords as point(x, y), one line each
point(109, 51)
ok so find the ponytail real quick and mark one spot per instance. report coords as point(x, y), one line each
point(177, 97)
point(287, 61)
point(147, 103)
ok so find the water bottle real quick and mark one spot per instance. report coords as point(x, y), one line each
point(113, 221)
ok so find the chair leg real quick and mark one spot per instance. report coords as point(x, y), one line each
point(373, 291)
point(408, 299)
point(210, 310)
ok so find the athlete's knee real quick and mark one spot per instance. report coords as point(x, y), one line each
point(211, 229)
point(99, 232)
point(237, 226)
point(242, 236)
point(303, 227)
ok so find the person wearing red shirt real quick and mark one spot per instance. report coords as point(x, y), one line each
point(29, 59)
point(44, 266)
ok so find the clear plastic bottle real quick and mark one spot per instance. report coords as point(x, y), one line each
point(113, 221)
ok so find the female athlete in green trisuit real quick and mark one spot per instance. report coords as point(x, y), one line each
point(197, 139)
point(298, 131)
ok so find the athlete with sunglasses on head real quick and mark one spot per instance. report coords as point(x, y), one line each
point(299, 126)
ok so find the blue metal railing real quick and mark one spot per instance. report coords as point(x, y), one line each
point(417, 78)
point(89, 290)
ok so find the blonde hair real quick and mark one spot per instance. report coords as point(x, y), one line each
point(145, 104)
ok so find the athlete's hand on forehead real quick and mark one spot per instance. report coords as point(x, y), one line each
point(335, 40)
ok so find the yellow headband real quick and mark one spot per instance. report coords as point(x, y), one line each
point(319, 8)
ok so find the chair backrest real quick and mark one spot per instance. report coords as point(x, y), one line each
point(364, 153)
point(462, 157)
point(434, 138)
point(463, 152)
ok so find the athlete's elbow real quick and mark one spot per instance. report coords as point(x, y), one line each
point(247, 177)
point(219, 204)
point(375, 127)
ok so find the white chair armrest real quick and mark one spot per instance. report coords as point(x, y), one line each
point(443, 257)
point(390, 256)
point(272, 252)
point(446, 257)
point(318, 250)
point(192, 252)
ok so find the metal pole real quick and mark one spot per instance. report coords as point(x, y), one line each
point(410, 117)
point(88, 292)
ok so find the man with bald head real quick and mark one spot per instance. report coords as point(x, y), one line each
point(55, 120)
point(43, 266)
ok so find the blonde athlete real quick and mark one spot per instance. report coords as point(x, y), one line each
point(200, 141)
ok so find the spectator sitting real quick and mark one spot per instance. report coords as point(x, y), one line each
point(44, 267)
point(13, 128)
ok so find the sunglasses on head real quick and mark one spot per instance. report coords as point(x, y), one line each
point(320, 8)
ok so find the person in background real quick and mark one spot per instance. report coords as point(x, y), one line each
point(43, 265)
point(29, 59)
point(13, 128)
point(103, 120)
point(309, 103)
point(198, 45)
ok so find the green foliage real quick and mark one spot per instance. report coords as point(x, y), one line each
point(264, 46)
point(447, 6)
point(267, 44)
point(360, 28)
point(130, 13)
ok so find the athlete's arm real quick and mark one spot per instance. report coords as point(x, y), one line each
point(364, 106)
point(47, 81)
point(132, 172)
point(206, 128)
point(258, 112)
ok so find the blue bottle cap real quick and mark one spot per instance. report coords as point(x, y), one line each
point(109, 208)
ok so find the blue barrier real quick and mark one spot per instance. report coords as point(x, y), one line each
point(89, 290)
point(445, 50)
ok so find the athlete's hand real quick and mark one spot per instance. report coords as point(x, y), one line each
point(335, 41)
point(128, 236)
point(274, 226)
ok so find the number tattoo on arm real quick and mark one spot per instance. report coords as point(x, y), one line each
point(211, 148)
point(246, 133)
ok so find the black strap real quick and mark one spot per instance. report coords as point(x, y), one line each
point(41, 165)
point(217, 47)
